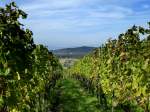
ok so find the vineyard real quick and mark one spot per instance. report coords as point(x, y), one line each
point(118, 73)
point(112, 78)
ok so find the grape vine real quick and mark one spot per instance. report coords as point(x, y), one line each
point(28, 72)
point(118, 72)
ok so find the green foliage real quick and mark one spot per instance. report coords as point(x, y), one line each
point(120, 71)
point(28, 72)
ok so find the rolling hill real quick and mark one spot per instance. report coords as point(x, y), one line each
point(77, 52)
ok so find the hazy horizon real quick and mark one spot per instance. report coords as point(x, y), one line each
point(73, 47)
point(73, 23)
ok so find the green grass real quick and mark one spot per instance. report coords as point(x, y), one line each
point(73, 98)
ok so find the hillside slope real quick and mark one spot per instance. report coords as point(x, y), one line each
point(77, 52)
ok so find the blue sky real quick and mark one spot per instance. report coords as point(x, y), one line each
point(71, 23)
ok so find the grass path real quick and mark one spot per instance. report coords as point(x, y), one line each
point(73, 98)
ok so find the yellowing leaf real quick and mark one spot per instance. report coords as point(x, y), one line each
point(18, 76)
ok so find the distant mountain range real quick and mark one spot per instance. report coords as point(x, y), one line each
point(77, 52)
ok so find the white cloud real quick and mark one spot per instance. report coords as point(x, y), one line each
point(112, 12)
point(146, 6)
point(51, 5)
point(70, 18)
point(66, 19)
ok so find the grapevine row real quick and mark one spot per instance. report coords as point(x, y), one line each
point(28, 72)
point(119, 71)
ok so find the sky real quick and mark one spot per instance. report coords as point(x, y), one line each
point(71, 23)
